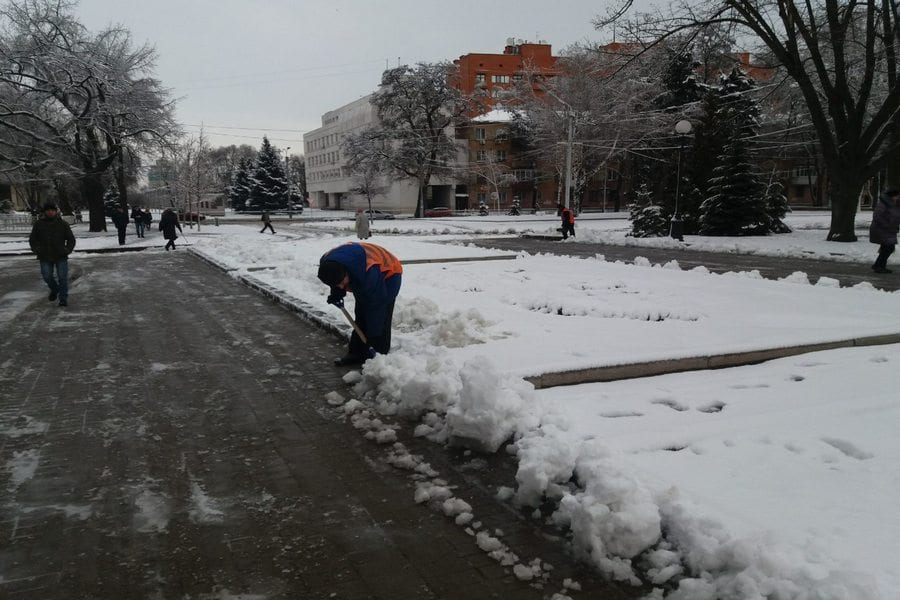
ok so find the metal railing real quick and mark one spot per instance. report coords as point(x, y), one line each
point(16, 222)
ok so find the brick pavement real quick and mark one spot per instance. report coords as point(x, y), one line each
point(165, 436)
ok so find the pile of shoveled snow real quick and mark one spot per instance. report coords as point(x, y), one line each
point(617, 522)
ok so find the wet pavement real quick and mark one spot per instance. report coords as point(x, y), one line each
point(166, 436)
point(849, 274)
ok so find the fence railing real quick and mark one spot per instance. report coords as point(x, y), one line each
point(15, 222)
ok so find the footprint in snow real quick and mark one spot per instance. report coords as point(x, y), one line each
point(620, 414)
point(848, 448)
point(743, 386)
point(712, 407)
point(671, 404)
point(796, 378)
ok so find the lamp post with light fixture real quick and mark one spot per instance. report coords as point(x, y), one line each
point(676, 226)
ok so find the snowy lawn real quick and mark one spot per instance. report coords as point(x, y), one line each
point(770, 481)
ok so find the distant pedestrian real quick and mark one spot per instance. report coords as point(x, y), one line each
point(78, 217)
point(138, 217)
point(885, 225)
point(267, 222)
point(52, 241)
point(373, 275)
point(120, 220)
point(568, 221)
point(147, 217)
point(168, 223)
point(362, 225)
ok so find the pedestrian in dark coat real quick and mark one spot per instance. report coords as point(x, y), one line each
point(267, 222)
point(568, 221)
point(52, 241)
point(120, 220)
point(373, 275)
point(137, 216)
point(884, 228)
point(168, 223)
point(147, 216)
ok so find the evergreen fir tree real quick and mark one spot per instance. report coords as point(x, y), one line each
point(647, 219)
point(680, 81)
point(239, 190)
point(777, 207)
point(708, 145)
point(736, 205)
point(268, 184)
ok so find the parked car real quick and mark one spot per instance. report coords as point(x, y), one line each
point(438, 211)
point(379, 214)
point(190, 216)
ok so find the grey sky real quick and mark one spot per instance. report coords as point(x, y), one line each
point(280, 64)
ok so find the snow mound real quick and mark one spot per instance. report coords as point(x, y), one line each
point(451, 330)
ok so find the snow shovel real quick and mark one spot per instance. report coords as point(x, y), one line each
point(358, 331)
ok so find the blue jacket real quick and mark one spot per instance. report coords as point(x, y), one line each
point(375, 276)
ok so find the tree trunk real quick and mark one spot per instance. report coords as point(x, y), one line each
point(845, 188)
point(121, 183)
point(92, 193)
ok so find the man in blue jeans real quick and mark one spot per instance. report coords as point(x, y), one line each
point(52, 241)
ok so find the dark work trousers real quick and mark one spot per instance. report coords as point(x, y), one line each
point(884, 251)
point(568, 229)
point(267, 226)
point(121, 231)
point(382, 344)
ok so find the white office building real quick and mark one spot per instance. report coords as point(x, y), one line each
point(328, 179)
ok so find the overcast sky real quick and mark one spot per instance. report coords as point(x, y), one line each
point(278, 65)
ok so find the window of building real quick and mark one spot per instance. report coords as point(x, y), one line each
point(481, 155)
point(517, 77)
point(480, 134)
point(501, 155)
point(482, 197)
point(501, 134)
point(479, 77)
point(612, 175)
point(500, 78)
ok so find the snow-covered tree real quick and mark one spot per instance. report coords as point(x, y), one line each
point(78, 99)
point(239, 190)
point(776, 207)
point(647, 218)
point(268, 184)
point(417, 107)
point(842, 57)
point(737, 204)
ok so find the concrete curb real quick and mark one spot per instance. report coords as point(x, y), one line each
point(698, 363)
point(588, 375)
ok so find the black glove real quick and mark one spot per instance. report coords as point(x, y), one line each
point(336, 297)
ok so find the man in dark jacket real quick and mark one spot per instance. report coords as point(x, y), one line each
point(52, 241)
point(137, 215)
point(267, 222)
point(884, 228)
point(168, 223)
point(373, 275)
point(120, 220)
point(568, 221)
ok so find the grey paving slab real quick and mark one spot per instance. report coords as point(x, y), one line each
point(165, 436)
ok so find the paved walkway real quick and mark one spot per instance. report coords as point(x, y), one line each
point(770, 267)
point(165, 436)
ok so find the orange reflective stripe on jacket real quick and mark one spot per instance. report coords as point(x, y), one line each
point(387, 262)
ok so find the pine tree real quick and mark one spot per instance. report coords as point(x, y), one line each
point(737, 204)
point(777, 207)
point(647, 219)
point(268, 184)
point(680, 81)
point(239, 190)
point(708, 145)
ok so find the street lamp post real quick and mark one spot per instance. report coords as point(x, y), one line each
point(676, 226)
point(287, 176)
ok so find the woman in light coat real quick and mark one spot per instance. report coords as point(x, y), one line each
point(362, 225)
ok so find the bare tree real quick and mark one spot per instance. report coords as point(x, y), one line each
point(417, 107)
point(87, 98)
point(843, 58)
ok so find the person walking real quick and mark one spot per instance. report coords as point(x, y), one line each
point(137, 216)
point(267, 222)
point(884, 228)
point(168, 223)
point(147, 218)
point(568, 221)
point(362, 225)
point(373, 275)
point(52, 241)
point(120, 220)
